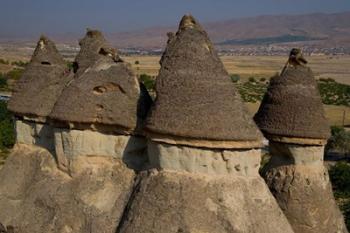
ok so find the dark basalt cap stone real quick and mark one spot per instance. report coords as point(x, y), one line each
point(106, 94)
point(92, 47)
point(197, 103)
point(292, 107)
point(41, 83)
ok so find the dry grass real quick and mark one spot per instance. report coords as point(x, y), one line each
point(260, 66)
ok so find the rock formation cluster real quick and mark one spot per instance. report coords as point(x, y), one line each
point(94, 154)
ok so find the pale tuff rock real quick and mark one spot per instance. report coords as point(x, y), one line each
point(73, 143)
point(299, 181)
point(291, 116)
point(35, 133)
point(201, 186)
point(174, 202)
point(204, 161)
point(37, 197)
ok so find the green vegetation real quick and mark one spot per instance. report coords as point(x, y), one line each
point(5, 62)
point(7, 132)
point(339, 141)
point(235, 77)
point(19, 63)
point(269, 40)
point(137, 63)
point(340, 178)
point(14, 74)
point(148, 81)
point(334, 93)
point(3, 82)
point(251, 91)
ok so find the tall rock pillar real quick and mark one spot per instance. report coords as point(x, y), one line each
point(291, 116)
point(205, 150)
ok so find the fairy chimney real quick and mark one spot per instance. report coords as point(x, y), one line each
point(36, 92)
point(205, 149)
point(291, 116)
point(101, 112)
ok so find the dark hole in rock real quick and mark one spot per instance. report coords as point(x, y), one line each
point(75, 66)
point(99, 107)
point(45, 63)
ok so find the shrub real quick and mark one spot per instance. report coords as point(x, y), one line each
point(5, 62)
point(252, 79)
point(137, 63)
point(340, 178)
point(3, 81)
point(19, 63)
point(148, 81)
point(339, 141)
point(14, 74)
point(7, 132)
point(262, 79)
point(235, 77)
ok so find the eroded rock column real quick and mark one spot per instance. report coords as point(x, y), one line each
point(291, 116)
point(204, 149)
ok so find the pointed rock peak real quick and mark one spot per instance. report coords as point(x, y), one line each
point(46, 53)
point(292, 108)
point(197, 102)
point(93, 33)
point(93, 47)
point(189, 22)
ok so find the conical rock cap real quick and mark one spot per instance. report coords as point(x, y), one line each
point(292, 107)
point(92, 48)
point(197, 103)
point(106, 93)
point(41, 83)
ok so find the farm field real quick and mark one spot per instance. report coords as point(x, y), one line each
point(336, 67)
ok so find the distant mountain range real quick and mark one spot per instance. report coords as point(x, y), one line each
point(319, 29)
point(330, 30)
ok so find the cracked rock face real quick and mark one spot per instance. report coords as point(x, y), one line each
point(299, 181)
point(35, 196)
point(174, 201)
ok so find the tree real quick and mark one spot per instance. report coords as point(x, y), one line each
point(339, 141)
point(7, 132)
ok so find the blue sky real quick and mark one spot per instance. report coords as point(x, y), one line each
point(30, 17)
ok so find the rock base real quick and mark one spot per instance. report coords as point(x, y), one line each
point(299, 181)
point(197, 190)
point(35, 196)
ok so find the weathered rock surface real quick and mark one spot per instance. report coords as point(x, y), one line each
point(106, 93)
point(174, 202)
point(35, 133)
point(69, 144)
point(299, 181)
point(196, 98)
point(292, 107)
point(35, 196)
point(204, 161)
point(41, 83)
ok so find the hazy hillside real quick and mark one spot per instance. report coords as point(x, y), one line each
point(315, 30)
point(322, 29)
